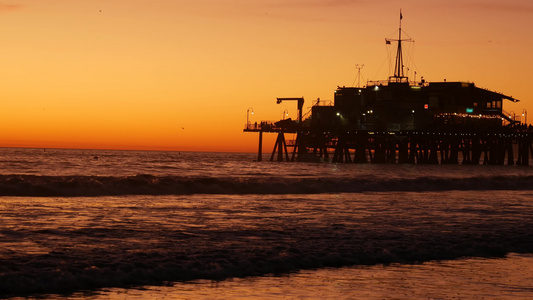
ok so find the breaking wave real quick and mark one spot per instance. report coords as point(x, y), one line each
point(217, 255)
point(73, 186)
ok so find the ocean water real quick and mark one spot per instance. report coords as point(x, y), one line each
point(88, 224)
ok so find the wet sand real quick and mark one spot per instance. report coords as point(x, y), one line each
point(472, 278)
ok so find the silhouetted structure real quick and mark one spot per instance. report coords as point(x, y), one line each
point(398, 121)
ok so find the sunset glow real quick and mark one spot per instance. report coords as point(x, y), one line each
point(180, 75)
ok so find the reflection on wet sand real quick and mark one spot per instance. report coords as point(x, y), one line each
point(473, 278)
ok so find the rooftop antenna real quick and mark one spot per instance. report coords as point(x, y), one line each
point(399, 75)
point(359, 67)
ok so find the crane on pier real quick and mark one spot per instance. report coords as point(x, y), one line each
point(300, 105)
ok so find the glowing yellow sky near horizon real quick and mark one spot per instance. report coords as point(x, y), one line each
point(180, 75)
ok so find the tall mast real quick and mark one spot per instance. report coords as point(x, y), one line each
point(398, 68)
point(399, 75)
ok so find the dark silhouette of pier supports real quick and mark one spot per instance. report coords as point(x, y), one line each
point(524, 149)
point(342, 151)
point(361, 146)
point(380, 149)
point(449, 150)
point(403, 150)
point(281, 147)
point(315, 147)
point(510, 152)
point(300, 147)
point(260, 151)
point(409, 147)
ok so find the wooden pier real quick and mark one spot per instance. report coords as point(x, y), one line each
point(511, 145)
point(406, 122)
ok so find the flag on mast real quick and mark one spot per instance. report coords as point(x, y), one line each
point(401, 17)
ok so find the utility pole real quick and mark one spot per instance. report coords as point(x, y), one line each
point(359, 67)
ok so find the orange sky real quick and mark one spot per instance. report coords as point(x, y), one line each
point(180, 75)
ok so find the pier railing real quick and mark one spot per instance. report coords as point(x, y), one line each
point(261, 126)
